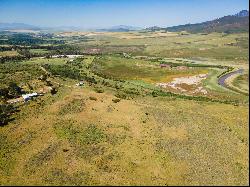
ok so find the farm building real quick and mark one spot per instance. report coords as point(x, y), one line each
point(81, 83)
point(66, 56)
point(27, 97)
point(181, 67)
point(165, 66)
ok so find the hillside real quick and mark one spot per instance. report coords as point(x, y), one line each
point(228, 24)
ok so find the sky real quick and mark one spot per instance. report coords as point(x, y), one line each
point(106, 13)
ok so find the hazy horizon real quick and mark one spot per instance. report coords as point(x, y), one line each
point(108, 13)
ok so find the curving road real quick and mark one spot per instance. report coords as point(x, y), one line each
point(222, 79)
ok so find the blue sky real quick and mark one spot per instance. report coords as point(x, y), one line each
point(105, 13)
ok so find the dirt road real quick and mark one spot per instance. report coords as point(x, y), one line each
point(222, 79)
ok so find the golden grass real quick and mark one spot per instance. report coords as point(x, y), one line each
point(145, 141)
point(8, 53)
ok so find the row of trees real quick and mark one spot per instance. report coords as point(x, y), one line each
point(12, 58)
point(7, 110)
point(27, 39)
point(64, 71)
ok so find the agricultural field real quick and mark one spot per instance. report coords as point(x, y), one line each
point(8, 53)
point(135, 108)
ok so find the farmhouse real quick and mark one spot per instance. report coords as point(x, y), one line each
point(92, 51)
point(81, 83)
point(125, 55)
point(181, 67)
point(66, 56)
point(27, 97)
point(165, 66)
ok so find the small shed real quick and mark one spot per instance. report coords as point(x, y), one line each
point(27, 97)
point(81, 83)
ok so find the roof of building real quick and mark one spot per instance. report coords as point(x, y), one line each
point(26, 96)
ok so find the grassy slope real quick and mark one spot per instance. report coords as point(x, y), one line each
point(77, 141)
point(242, 82)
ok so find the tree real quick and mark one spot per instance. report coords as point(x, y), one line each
point(53, 91)
point(4, 93)
point(14, 90)
point(6, 112)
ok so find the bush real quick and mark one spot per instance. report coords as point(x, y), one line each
point(14, 90)
point(99, 90)
point(6, 112)
point(93, 98)
point(116, 100)
point(121, 95)
point(53, 91)
point(74, 106)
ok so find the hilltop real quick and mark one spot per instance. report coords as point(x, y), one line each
point(228, 24)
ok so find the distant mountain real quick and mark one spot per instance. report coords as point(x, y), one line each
point(228, 24)
point(120, 28)
point(62, 28)
point(243, 13)
point(154, 28)
point(23, 26)
point(17, 26)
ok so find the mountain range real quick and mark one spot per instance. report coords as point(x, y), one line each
point(229, 24)
point(120, 28)
point(18, 26)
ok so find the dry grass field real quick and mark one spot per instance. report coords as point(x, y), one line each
point(80, 137)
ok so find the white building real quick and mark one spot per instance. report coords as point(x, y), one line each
point(27, 97)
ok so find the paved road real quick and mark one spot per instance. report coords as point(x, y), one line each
point(222, 79)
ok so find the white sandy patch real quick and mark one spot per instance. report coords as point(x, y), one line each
point(190, 80)
point(68, 56)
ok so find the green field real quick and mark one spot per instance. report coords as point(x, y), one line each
point(130, 69)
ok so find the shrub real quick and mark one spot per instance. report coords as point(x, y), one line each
point(6, 112)
point(116, 100)
point(99, 90)
point(121, 95)
point(74, 106)
point(53, 91)
point(93, 98)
